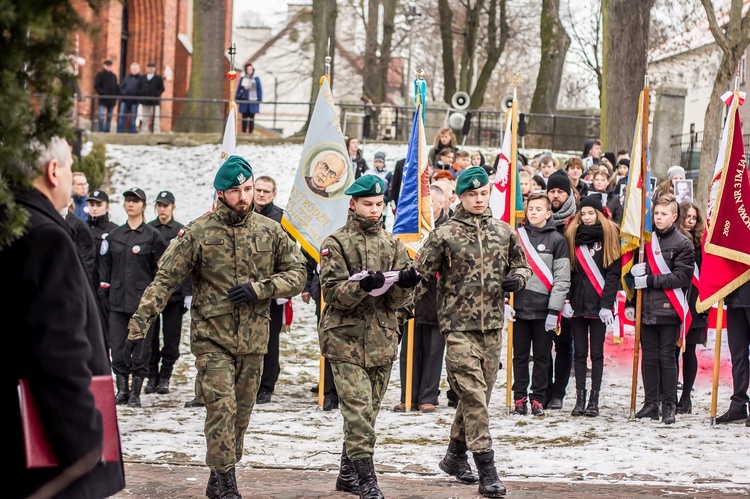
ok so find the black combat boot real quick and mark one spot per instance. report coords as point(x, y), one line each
point(592, 409)
point(489, 483)
point(368, 480)
point(227, 485)
point(580, 407)
point(667, 413)
point(150, 385)
point(649, 410)
point(123, 391)
point(347, 481)
point(135, 392)
point(212, 488)
point(163, 387)
point(456, 463)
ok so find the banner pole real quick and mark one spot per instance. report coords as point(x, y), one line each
point(717, 360)
point(322, 362)
point(409, 364)
point(512, 173)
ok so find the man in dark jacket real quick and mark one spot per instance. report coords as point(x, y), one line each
point(151, 86)
point(60, 344)
point(129, 88)
point(738, 339)
point(105, 83)
point(660, 320)
point(265, 193)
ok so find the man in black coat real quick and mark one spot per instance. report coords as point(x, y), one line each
point(105, 83)
point(151, 86)
point(265, 193)
point(129, 89)
point(738, 340)
point(57, 345)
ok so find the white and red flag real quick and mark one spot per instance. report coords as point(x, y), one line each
point(726, 242)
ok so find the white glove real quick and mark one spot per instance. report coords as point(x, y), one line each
point(630, 313)
point(640, 282)
point(187, 302)
point(607, 317)
point(638, 270)
point(567, 311)
point(550, 323)
point(510, 313)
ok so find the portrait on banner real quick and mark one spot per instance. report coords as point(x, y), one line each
point(326, 171)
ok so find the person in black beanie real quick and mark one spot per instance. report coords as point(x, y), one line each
point(559, 192)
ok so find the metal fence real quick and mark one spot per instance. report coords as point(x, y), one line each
point(685, 150)
point(477, 128)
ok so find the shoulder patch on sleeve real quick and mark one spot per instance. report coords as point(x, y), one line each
point(325, 252)
point(181, 232)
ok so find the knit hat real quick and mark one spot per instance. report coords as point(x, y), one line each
point(593, 201)
point(380, 155)
point(233, 172)
point(473, 177)
point(366, 186)
point(675, 170)
point(624, 161)
point(559, 180)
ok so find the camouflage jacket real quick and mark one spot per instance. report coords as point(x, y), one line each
point(219, 250)
point(472, 254)
point(357, 327)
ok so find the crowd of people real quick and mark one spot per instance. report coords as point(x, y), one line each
point(234, 271)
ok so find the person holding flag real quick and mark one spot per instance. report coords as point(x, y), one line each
point(478, 259)
point(665, 316)
point(594, 244)
point(365, 278)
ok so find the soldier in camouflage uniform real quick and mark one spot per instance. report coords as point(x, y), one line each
point(238, 261)
point(478, 259)
point(359, 329)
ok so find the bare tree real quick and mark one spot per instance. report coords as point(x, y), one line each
point(584, 25)
point(207, 70)
point(732, 38)
point(624, 67)
point(378, 50)
point(555, 43)
point(495, 38)
point(324, 13)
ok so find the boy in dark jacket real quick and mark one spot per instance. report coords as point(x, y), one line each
point(539, 304)
point(668, 270)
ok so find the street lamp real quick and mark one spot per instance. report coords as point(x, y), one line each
point(411, 15)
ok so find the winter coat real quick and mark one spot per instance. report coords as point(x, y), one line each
point(244, 94)
point(129, 87)
point(169, 232)
point(697, 333)
point(359, 164)
point(434, 154)
point(583, 297)
point(612, 203)
point(739, 298)
point(357, 327)
point(128, 265)
point(151, 88)
point(217, 251)
point(105, 83)
point(85, 244)
point(679, 255)
point(425, 310)
point(398, 174)
point(534, 301)
point(81, 207)
point(473, 254)
point(59, 345)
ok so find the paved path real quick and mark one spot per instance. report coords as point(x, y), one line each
point(146, 480)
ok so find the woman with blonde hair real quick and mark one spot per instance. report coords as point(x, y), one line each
point(445, 138)
point(594, 245)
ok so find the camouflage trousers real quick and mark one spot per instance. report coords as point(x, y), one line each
point(360, 392)
point(471, 362)
point(228, 386)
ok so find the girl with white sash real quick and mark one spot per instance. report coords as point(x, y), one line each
point(594, 244)
point(664, 277)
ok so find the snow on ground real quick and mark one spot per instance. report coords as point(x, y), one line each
point(292, 431)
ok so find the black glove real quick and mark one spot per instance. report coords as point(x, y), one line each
point(511, 283)
point(241, 293)
point(133, 352)
point(374, 280)
point(408, 278)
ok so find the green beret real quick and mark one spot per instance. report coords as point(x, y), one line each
point(366, 186)
point(233, 172)
point(473, 177)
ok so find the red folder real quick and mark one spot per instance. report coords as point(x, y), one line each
point(39, 452)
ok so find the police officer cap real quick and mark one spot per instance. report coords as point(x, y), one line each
point(165, 197)
point(366, 186)
point(98, 195)
point(233, 172)
point(473, 177)
point(137, 192)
